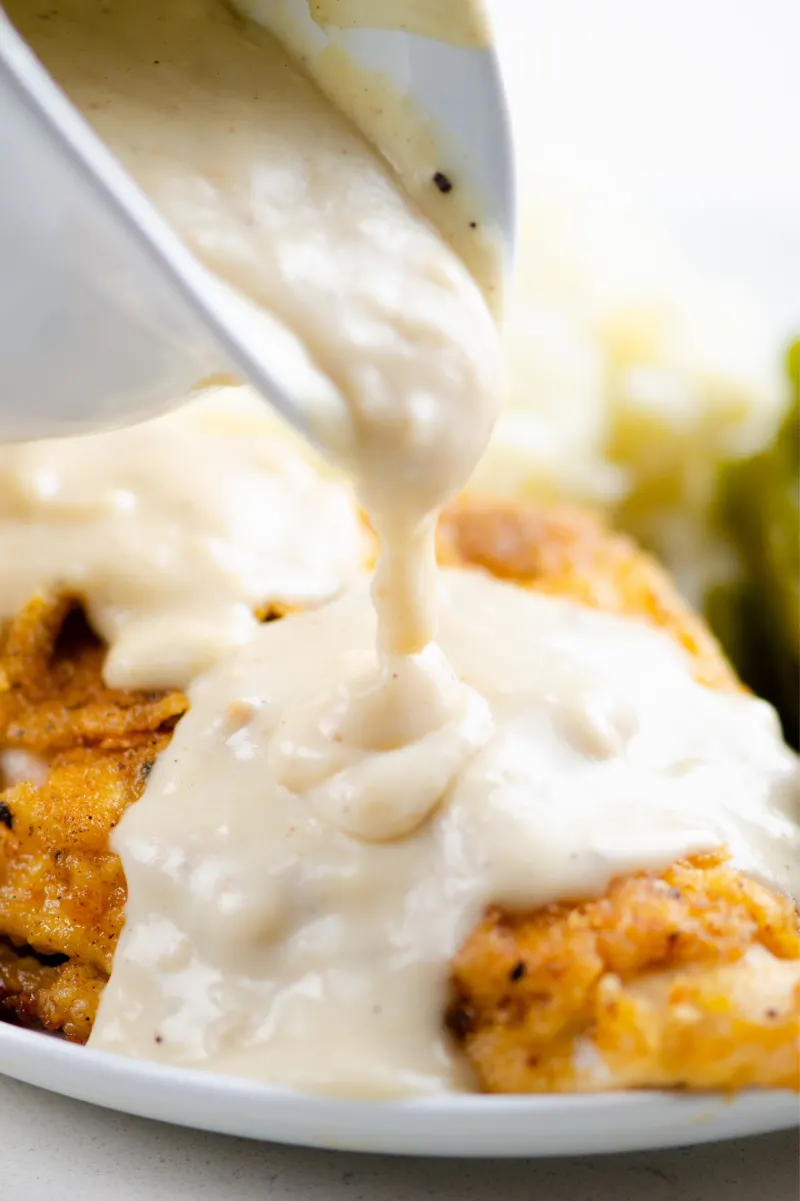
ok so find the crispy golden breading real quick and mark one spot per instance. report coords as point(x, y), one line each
point(689, 979)
point(61, 997)
point(21, 978)
point(61, 890)
point(615, 992)
point(52, 696)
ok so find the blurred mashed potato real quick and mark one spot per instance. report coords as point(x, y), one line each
point(632, 376)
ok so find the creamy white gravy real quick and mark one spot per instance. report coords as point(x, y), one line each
point(347, 793)
point(175, 532)
point(21, 767)
point(387, 114)
point(452, 21)
point(281, 197)
point(295, 897)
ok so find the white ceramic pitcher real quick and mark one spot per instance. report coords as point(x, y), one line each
point(105, 317)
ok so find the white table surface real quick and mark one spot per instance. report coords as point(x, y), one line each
point(58, 1150)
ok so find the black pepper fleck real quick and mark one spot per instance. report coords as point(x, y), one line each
point(517, 971)
point(6, 816)
point(473, 224)
point(443, 183)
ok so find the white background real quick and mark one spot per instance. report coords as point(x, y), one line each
point(694, 104)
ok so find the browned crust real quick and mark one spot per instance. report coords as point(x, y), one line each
point(571, 553)
point(636, 988)
point(61, 889)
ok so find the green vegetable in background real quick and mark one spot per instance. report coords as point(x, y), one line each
point(760, 622)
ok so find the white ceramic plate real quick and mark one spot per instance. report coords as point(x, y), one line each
point(458, 1125)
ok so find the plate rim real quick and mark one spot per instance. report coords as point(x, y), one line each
point(467, 1125)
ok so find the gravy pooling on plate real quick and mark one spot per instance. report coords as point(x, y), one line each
point(349, 791)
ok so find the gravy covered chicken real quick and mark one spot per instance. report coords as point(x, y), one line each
point(502, 820)
point(175, 567)
point(616, 990)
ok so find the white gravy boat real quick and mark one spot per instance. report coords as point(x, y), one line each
point(105, 317)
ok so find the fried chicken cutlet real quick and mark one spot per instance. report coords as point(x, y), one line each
point(692, 977)
point(86, 750)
